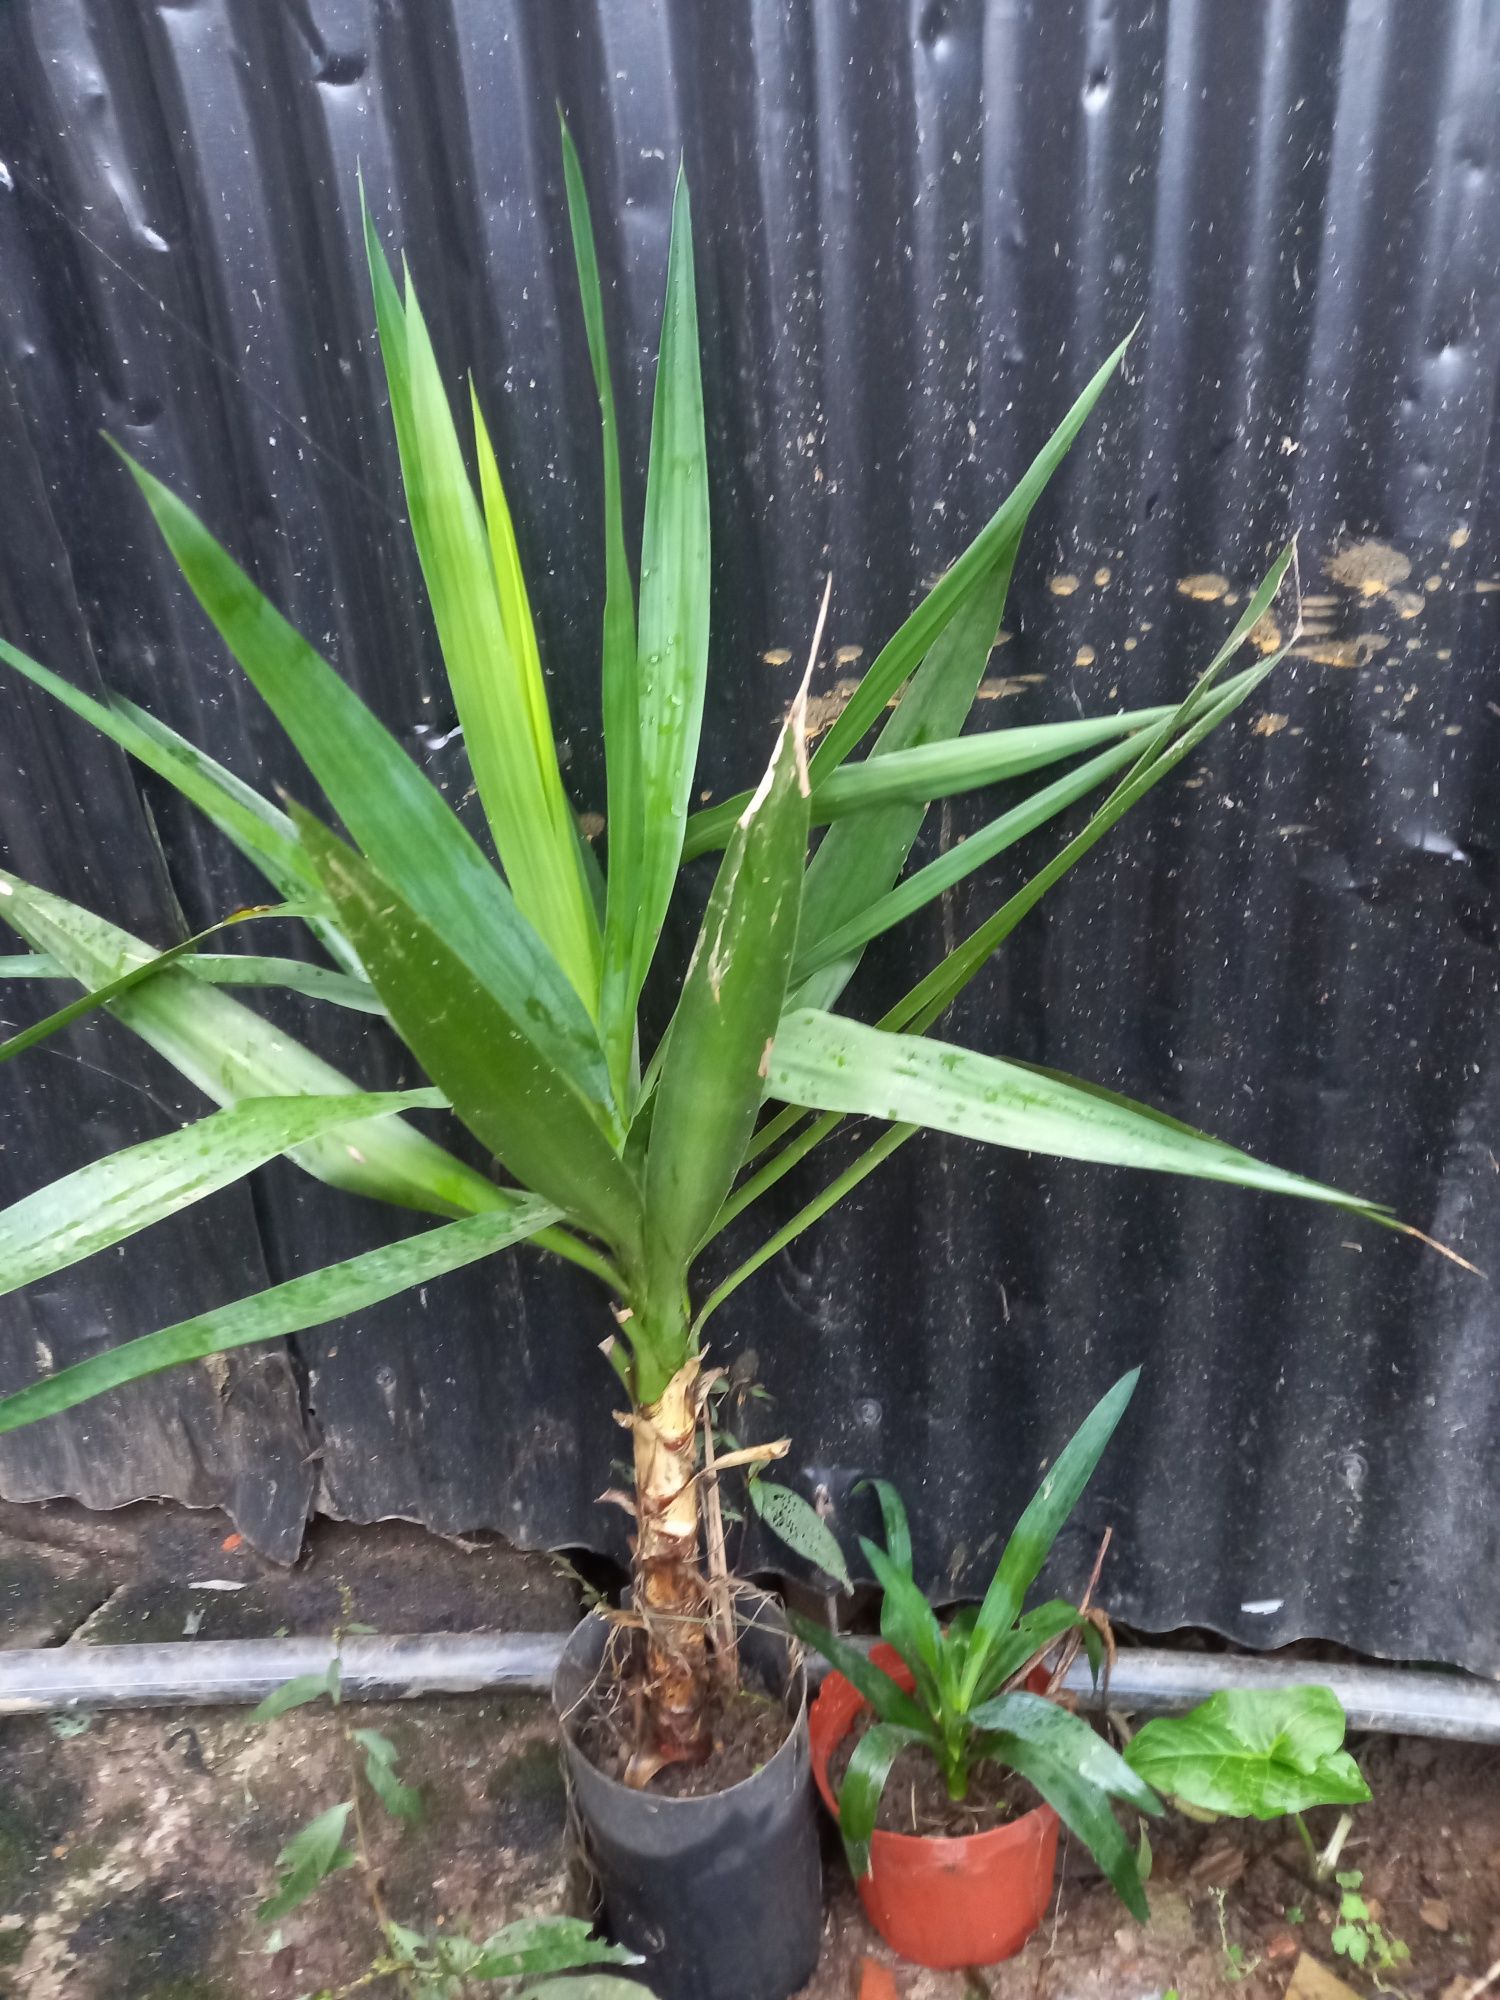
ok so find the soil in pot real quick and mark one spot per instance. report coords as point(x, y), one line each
point(915, 1799)
point(749, 1724)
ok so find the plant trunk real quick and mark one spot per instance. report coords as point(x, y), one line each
point(670, 1593)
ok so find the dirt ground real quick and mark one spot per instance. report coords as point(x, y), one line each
point(135, 1846)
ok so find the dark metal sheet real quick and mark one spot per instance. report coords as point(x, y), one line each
point(918, 228)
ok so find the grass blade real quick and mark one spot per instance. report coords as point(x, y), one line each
point(291, 1307)
point(113, 1198)
point(672, 648)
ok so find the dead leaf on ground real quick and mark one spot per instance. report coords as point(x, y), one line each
point(1312, 1981)
point(1435, 1913)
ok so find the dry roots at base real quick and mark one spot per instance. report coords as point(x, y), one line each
point(672, 1596)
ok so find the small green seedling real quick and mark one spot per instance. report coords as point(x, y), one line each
point(1359, 1938)
point(537, 1958)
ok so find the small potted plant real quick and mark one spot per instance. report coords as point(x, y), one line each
point(625, 1144)
point(948, 1759)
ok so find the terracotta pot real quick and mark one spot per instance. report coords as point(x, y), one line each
point(942, 1902)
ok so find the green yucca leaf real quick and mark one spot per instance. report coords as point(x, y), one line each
point(261, 832)
point(525, 697)
point(619, 681)
point(315, 982)
point(842, 1184)
point(110, 1199)
point(837, 947)
point(394, 812)
point(86, 1003)
point(996, 541)
point(498, 691)
point(711, 1087)
point(672, 644)
point(478, 1054)
point(1160, 750)
point(519, 719)
point(230, 1053)
point(1164, 746)
point(860, 858)
point(832, 1064)
point(936, 770)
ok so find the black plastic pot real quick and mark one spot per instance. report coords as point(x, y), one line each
point(722, 1896)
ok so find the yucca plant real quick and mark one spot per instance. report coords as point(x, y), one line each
point(517, 987)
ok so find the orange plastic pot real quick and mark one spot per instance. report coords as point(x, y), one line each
point(941, 1902)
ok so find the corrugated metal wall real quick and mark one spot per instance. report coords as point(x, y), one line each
point(919, 226)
